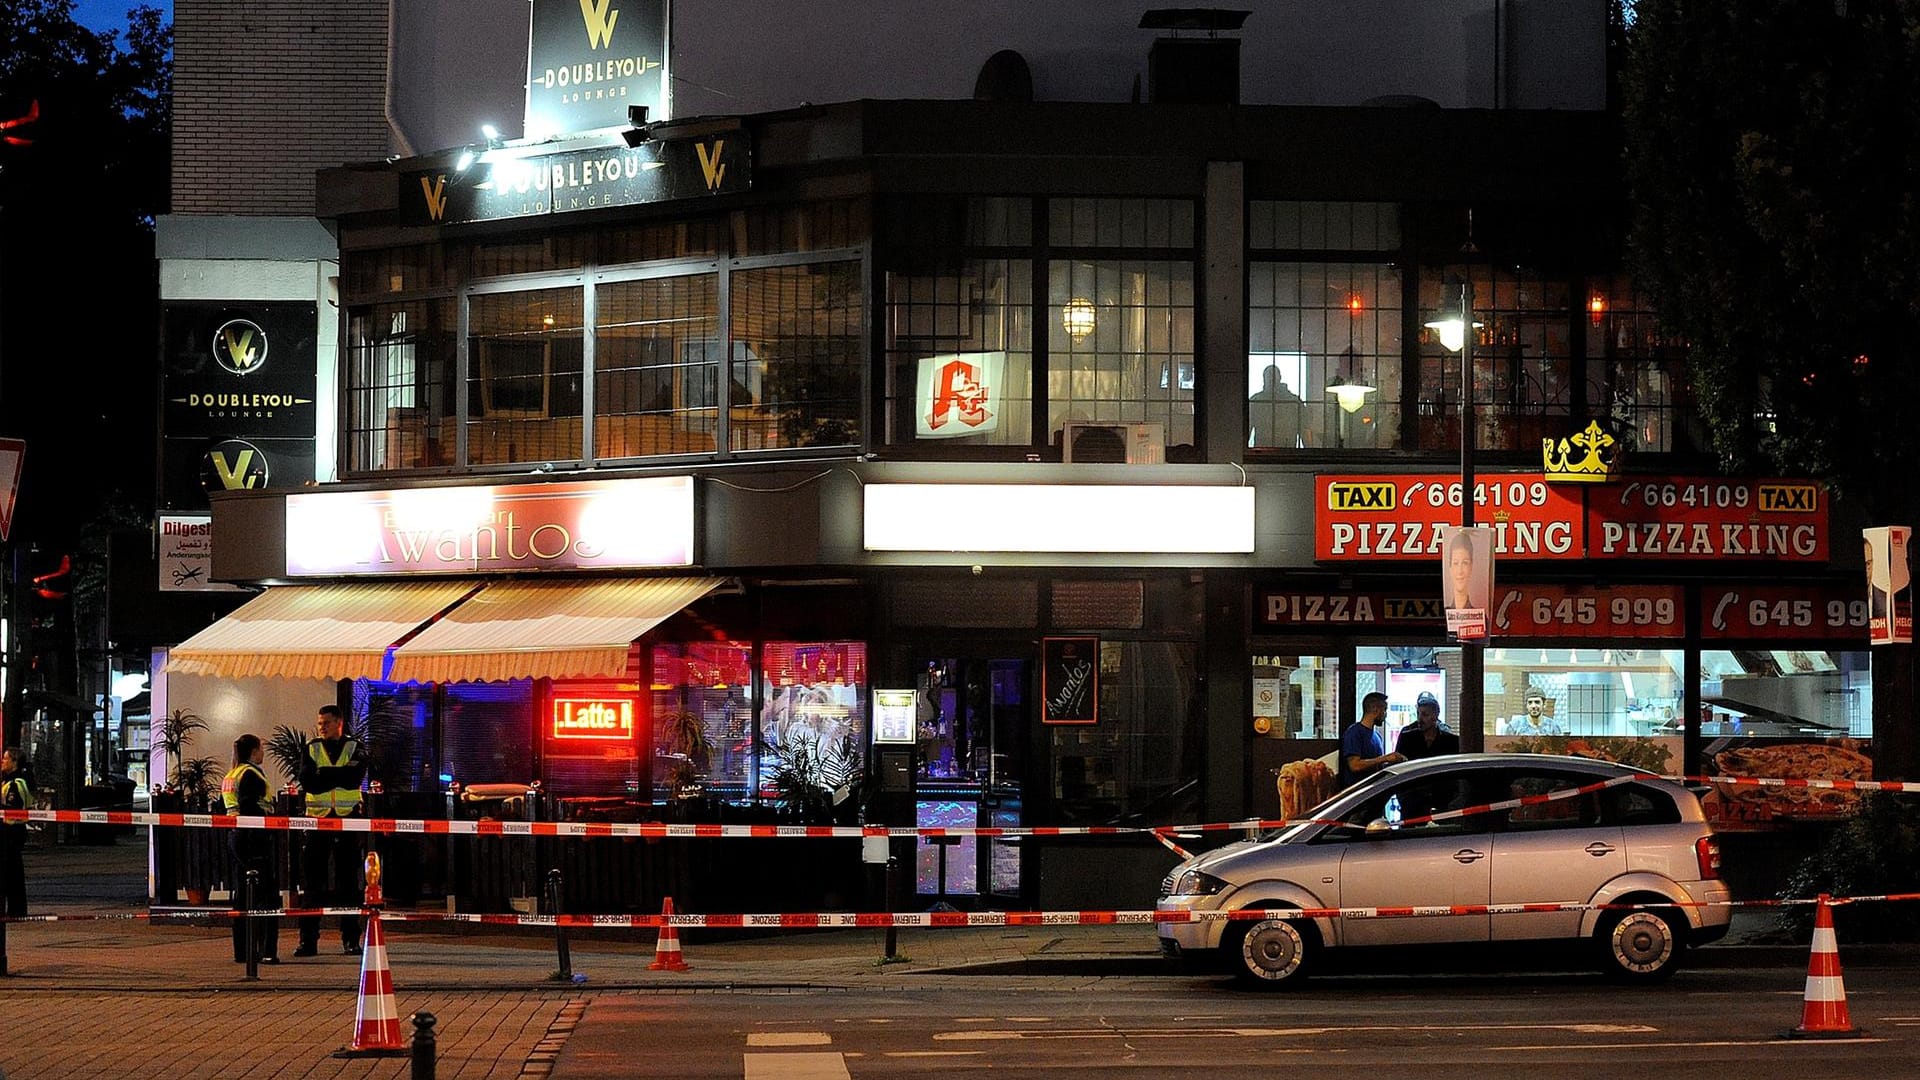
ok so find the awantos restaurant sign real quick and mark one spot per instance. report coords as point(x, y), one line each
point(604, 524)
point(1400, 518)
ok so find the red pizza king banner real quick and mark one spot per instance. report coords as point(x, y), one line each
point(1578, 611)
point(1399, 517)
point(1783, 611)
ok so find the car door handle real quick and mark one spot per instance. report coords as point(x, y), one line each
point(1467, 855)
point(1598, 849)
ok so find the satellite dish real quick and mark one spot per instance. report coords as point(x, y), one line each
point(1004, 77)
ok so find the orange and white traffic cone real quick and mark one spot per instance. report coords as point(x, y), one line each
point(666, 951)
point(376, 1020)
point(1825, 1014)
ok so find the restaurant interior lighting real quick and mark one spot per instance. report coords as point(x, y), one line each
point(1078, 317)
point(1451, 329)
point(1346, 386)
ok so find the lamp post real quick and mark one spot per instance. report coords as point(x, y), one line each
point(1455, 327)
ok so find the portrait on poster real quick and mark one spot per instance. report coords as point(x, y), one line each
point(1466, 579)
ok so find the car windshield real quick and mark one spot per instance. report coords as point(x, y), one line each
point(1329, 810)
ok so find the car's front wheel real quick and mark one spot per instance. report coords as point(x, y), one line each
point(1271, 952)
point(1641, 945)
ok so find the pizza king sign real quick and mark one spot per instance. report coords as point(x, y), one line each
point(958, 395)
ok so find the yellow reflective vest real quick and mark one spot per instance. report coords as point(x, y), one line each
point(230, 785)
point(17, 797)
point(337, 802)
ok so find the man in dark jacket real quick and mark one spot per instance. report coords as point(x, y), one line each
point(330, 775)
point(1426, 738)
point(15, 794)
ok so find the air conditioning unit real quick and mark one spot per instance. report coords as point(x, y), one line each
point(1113, 443)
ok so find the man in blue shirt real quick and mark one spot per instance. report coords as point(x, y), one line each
point(1363, 749)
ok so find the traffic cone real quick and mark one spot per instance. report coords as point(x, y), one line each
point(666, 951)
point(1825, 1015)
point(376, 1020)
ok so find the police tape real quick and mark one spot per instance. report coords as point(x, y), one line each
point(848, 920)
point(663, 831)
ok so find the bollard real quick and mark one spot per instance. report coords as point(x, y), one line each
point(565, 973)
point(426, 1048)
point(249, 890)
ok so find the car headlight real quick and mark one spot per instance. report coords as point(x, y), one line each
point(1196, 883)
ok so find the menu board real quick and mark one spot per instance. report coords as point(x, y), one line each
point(1070, 680)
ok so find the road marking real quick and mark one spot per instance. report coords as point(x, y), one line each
point(789, 1038)
point(1672, 1045)
point(932, 1053)
point(1008, 1035)
point(1029, 1019)
point(796, 1067)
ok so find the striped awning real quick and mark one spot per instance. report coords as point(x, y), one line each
point(334, 631)
point(545, 629)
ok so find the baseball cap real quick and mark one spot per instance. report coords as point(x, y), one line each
point(1426, 698)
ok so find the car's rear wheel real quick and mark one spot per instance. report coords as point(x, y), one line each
point(1271, 953)
point(1642, 945)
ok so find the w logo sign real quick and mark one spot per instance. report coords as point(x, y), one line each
point(435, 190)
point(600, 17)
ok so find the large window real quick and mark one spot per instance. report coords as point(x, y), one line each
point(1323, 356)
point(656, 366)
point(797, 382)
point(1111, 282)
point(401, 363)
point(687, 352)
point(1785, 713)
point(1522, 361)
point(1142, 758)
point(1636, 373)
point(1625, 705)
point(525, 369)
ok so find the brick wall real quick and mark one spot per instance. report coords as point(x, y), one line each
point(266, 92)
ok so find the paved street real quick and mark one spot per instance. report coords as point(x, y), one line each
point(119, 998)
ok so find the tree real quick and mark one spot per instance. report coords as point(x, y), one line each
point(78, 292)
point(1772, 147)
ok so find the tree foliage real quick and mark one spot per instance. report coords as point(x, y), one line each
point(78, 292)
point(1772, 148)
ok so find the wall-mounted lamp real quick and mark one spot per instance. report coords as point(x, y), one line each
point(1077, 317)
point(491, 134)
point(465, 161)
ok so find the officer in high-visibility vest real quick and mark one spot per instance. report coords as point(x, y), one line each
point(245, 792)
point(14, 795)
point(330, 778)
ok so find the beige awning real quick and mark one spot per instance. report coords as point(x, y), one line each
point(545, 629)
point(334, 631)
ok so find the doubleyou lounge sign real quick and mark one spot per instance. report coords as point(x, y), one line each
point(605, 524)
point(588, 60)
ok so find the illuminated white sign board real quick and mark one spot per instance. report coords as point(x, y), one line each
point(1069, 518)
point(893, 717)
point(595, 524)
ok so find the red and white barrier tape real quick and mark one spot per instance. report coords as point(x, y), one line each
point(659, 831)
point(933, 919)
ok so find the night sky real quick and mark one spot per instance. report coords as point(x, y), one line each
point(112, 14)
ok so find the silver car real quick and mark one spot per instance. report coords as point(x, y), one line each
point(1641, 841)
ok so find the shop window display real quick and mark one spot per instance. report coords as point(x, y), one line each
point(813, 731)
point(1142, 756)
point(702, 712)
point(1620, 705)
point(1790, 714)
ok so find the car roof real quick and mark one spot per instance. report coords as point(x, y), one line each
point(1453, 762)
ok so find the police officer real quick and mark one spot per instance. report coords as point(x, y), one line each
point(245, 791)
point(330, 777)
point(14, 795)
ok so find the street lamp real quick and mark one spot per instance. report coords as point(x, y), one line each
point(1454, 326)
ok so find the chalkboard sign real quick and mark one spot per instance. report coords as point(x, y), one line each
point(1070, 680)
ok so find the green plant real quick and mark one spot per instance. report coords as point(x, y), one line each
point(177, 729)
point(287, 749)
point(810, 779)
point(1874, 853)
point(197, 778)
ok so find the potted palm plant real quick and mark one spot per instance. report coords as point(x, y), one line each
point(684, 736)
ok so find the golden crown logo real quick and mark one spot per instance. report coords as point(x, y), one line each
point(1587, 457)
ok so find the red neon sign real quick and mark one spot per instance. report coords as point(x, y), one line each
point(593, 718)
